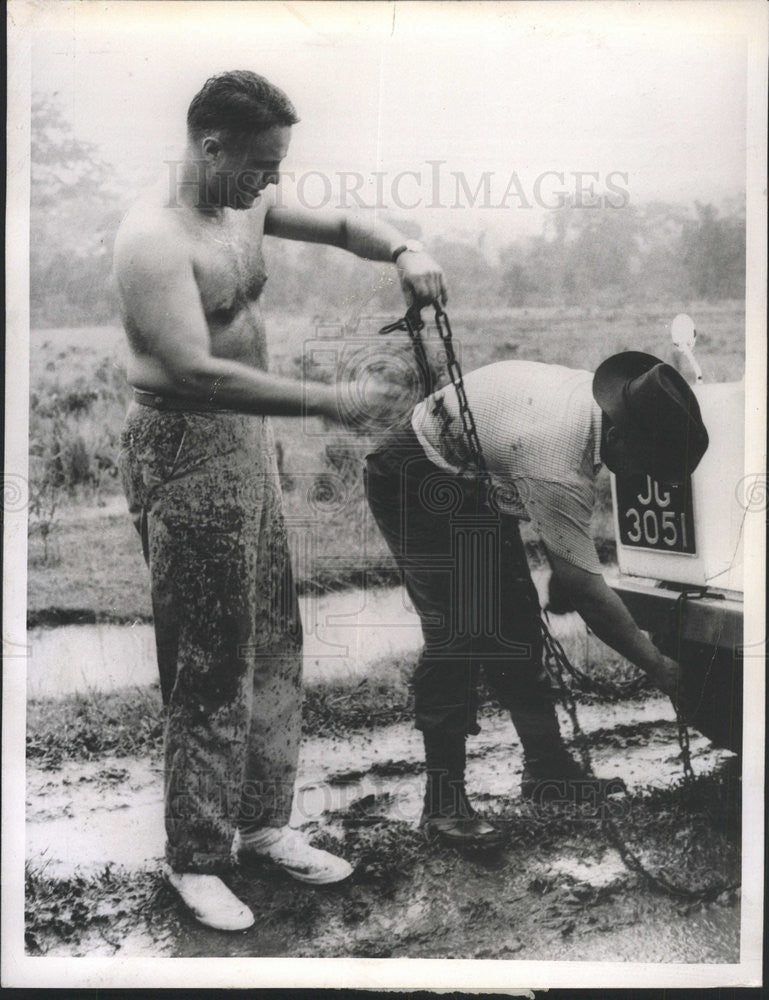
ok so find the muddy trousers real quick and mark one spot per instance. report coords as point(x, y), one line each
point(465, 570)
point(204, 492)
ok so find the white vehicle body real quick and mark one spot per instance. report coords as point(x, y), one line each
point(680, 549)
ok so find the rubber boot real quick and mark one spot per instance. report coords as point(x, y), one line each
point(550, 774)
point(447, 812)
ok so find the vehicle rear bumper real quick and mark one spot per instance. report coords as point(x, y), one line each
point(710, 619)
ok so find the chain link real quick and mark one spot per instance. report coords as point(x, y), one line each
point(466, 414)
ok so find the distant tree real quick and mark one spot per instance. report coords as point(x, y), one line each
point(74, 213)
point(583, 255)
point(472, 279)
point(654, 251)
point(603, 250)
point(62, 166)
point(713, 251)
point(515, 284)
point(662, 273)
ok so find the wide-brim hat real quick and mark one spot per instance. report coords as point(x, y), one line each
point(655, 411)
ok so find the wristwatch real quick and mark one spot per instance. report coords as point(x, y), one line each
point(410, 246)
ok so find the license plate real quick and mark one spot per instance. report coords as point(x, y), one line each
point(654, 515)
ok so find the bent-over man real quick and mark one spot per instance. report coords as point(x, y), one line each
point(199, 470)
point(544, 431)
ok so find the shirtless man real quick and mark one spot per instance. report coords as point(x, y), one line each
point(199, 470)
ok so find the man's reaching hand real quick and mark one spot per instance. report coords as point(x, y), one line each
point(421, 279)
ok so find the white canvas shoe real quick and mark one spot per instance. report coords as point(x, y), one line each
point(209, 899)
point(287, 848)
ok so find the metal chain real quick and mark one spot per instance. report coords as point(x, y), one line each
point(683, 728)
point(466, 414)
point(683, 742)
point(413, 324)
point(555, 660)
point(557, 665)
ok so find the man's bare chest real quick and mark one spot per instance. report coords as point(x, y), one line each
point(229, 267)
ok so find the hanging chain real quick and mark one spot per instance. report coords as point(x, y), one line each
point(683, 742)
point(676, 615)
point(413, 324)
point(557, 665)
point(466, 414)
point(555, 661)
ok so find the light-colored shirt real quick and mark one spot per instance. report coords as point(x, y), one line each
point(540, 432)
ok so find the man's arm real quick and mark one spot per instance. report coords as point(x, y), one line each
point(160, 296)
point(421, 277)
point(610, 620)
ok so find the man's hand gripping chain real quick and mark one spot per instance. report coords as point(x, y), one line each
point(413, 324)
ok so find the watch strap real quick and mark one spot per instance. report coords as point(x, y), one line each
point(413, 245)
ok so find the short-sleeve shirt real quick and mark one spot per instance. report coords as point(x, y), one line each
point(540, 432)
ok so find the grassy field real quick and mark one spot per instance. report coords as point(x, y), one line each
point(84, 560)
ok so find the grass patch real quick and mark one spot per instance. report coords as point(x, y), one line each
point(383, 852)
point(99, 575)
point(66, 909)
point(335, 709)
point(85, 727)
point(130, 722)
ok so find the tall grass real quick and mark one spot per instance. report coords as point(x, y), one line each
point(76, 407)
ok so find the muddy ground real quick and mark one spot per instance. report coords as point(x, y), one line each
point(557, 889)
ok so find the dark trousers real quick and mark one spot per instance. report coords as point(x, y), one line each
point(465, 570)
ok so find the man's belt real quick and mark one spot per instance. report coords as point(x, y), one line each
point(160, 402)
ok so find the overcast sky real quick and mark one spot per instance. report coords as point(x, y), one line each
point(655, 93)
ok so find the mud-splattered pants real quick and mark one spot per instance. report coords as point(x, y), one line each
point(465, 569)
point(204, 492)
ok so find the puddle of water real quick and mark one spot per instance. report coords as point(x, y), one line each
point(345, 634)
point(132, 837)
point(84, 816)
point(81, 658)
point(599, 874)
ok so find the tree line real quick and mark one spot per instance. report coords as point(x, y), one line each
point(600, 256)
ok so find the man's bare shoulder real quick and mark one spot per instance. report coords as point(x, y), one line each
point(149, 232)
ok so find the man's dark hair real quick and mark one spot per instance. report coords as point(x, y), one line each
point(238, 104)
